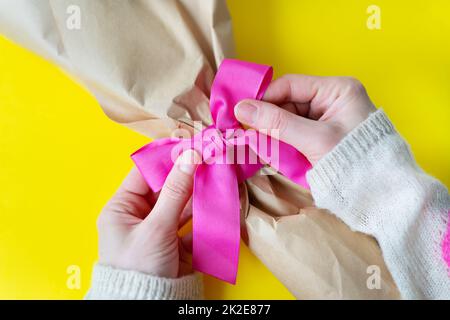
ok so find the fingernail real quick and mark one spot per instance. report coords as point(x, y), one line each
point(246, 112)
point(188, 161)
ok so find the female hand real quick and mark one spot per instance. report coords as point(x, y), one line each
point(138, 230)
point(315, 113)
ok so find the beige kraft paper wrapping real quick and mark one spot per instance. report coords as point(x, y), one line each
point(150, 64)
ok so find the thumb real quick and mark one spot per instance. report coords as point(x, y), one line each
point(291, 128)
point(176, 191)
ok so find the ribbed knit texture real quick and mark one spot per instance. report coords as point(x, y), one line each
point(116, 284)
point(371, 181)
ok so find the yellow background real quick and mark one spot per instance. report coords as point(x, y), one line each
point(61, 158)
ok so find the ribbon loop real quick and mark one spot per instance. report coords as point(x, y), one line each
point(235, 81)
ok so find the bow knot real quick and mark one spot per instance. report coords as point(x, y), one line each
point(230, 156)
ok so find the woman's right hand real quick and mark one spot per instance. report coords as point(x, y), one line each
point(312, 114)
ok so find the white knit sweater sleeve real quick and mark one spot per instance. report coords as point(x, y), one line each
point(371, 181)
point(115, 284)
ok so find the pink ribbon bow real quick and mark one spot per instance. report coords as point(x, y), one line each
point(216, 205)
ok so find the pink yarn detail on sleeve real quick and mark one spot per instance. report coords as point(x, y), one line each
point(446, 243)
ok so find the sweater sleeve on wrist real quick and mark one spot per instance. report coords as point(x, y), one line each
point(109, 283)
point(371, 181)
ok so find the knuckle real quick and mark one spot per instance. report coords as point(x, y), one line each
point(354, 85)
point(110, 212)
point(101, 220)
point(176, 189)
point(287, 77)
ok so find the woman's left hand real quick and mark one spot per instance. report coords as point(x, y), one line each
point(138, 229)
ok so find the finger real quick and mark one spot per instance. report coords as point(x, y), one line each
point(135, 183)
point(176, 191)
point(316, 93)
point(131, 198)
point(293, 88)
point(298, 108)
point(288, 127)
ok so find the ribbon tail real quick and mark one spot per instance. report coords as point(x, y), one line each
point(216, 221)
point(283, 157)
point(250, 164)
point(293, 164)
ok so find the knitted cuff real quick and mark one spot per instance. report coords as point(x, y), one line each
point(347, 180)
point(350, 150)
point(109, 283)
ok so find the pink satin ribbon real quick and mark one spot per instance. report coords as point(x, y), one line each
point(216, 205)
